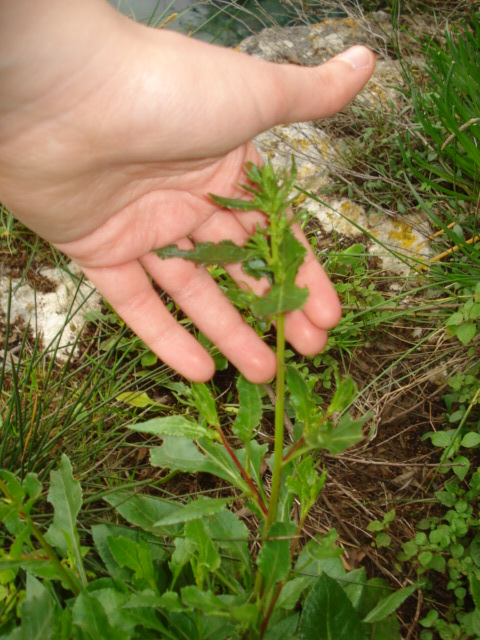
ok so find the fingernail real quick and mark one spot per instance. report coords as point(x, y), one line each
point(357, 57)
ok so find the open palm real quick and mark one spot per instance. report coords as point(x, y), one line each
point(111, 150)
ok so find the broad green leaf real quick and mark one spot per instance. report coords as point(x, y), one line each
point(273, 560)
point(199, 508)
point(205, 601)
point(344, 395)
point(90, 617)
point(182, 455)
point(208, 253)
point(466, 332)
point(207, 558)
point(114, 603)
point(470, 440)
point(250, 410)
point(301, 397)
point(141, 510)
point(176, 425)
point(205, 403)
point(442, 438)
point(389, 605)
point(32, 485)
point(103, 533)
point(133, 555)
point(65, 495)
point(460, 466)
point(337, 439)
point(283, 630)
point(328, 614)
point(292, 591)
point(280, 299)
point(232, 535)
point(37, 612)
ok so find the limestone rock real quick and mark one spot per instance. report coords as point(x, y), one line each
point(55, 312)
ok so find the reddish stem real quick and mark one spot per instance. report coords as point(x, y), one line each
point(243, 473)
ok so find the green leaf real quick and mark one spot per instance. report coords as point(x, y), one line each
point(65, 495)
point(176, 426)
point(460, 466)
point(205, 403)
point(347, 433)
point(274, 557)
point(466, 332)
point(344, 395)
point(135, 399)
point(205, 601)
point(141, 510)
point(37, 613)
point(133, 555)
point(231, 535)
point(89, 616)
point(281, 298)
point(236, 204)
point(206, 556)
point(208, 253)
point(301, 397)
point(250, 410)
point(200, 508)
point(328, 614)
point(470, 440)
point(388, 605)
point(283, 630)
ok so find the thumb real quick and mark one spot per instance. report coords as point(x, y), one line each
point(289, 93)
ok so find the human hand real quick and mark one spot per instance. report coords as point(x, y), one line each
point(113, 134)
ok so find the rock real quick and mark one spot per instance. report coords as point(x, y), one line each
point(400, 240)
point(55, 312)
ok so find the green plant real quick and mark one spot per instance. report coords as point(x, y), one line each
point(191, 569)
point(448, 545)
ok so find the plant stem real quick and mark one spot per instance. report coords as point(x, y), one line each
point(279, 434)
point(245, 476)
point(68, 577)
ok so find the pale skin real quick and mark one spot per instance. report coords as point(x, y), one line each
point(113, 134)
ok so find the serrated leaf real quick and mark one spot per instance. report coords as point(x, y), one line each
point(328, 614)
point(134, 555)
point(205, 601)
point(301, 397)
point(250, 410)
point(208, 253)
point(206, 555)
point(281, 298)
point(273, 560)
point(181, 454)
point(141, 510)
point(205, 403)
point(283, 630)
point(175, 426)
point(89, 616)
point(65, 495)
point(388, 605)
point(232, 535)
point(199, 508)
point(37, 613)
